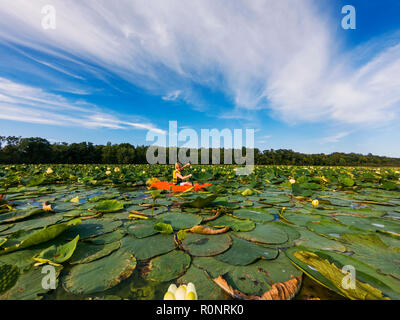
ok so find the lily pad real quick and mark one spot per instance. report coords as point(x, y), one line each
point(142, 228)
point(331, 229)
point(199, 202)
point(58, 254)
point(265, 233)
point(19, 215)
point(313, 240)
point(29, 285)
point(206, 289)
point(108, 237)
point(149, 247)
point(32, 224)
point(259, 277)
point(39, 236)
point(180, 220)
point(370, 249)
point(86, 252)
point(168, 266)
point(234, 223)
point(100, 275)
point(326, 268)
point(108, 206)
point(8, 277)
point(206, 245)
point(254, 214)
point(163, 228)
point(91, 228)
point(243, 253)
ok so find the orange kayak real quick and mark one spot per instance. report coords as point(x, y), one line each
point(170, 186)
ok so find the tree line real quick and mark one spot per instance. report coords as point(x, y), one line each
point(17, 150)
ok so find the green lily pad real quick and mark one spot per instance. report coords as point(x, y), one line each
point(86, 252)
point(108, 237)
point(108, 206)
point(258, 278)
point(206, 289)
point(206, 245)
point(58, 254)
point(21, 258)
point(371, 224)
point(326, 268)
point(370, 249)
point(32, 224)
point(29, 285)
point(302, 218)
point(254, 214)
point(313, 240)
point(330, 229)
point(142, 228)
point(37, 237)
point(180, 220)
point(213, 266)
point(8, 277)
point(168, 266)
point(163, 228)
point(199, 202)
point(149, 247)
point(234, 223)
point(265, 233)
point(92, 228)
point(100, 275)
point(14, 216)
point(243, 253)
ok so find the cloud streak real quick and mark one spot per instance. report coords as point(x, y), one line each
point(24, 103)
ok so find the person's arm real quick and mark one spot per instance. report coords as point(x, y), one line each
point(186, 165)
point(183, 177)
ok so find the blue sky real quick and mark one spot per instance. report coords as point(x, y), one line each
point(286, 69)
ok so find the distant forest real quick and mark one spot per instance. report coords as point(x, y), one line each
point(17, 150)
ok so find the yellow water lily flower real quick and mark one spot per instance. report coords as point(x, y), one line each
point(292, 181)
point(49, 171)
point(116, 170)
point(184, 292)
point(150, 181)
point(247, 192)
point(315, 203)
point(203, 170)
point(108, 172)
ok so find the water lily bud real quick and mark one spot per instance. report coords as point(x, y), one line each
point(203, 170)
point(108, 173)
point(144, 172)
point(49, 171)
point(172, 288)
point(116, 170)
point(292, 181)
point(180, 293)
point(169, 296)
point(315, 203)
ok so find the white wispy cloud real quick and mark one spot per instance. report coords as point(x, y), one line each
point(19, 102)
point(172, 96)
point(263, 54)
point(335, 138)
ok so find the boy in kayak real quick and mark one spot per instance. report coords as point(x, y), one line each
point(177, 177)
